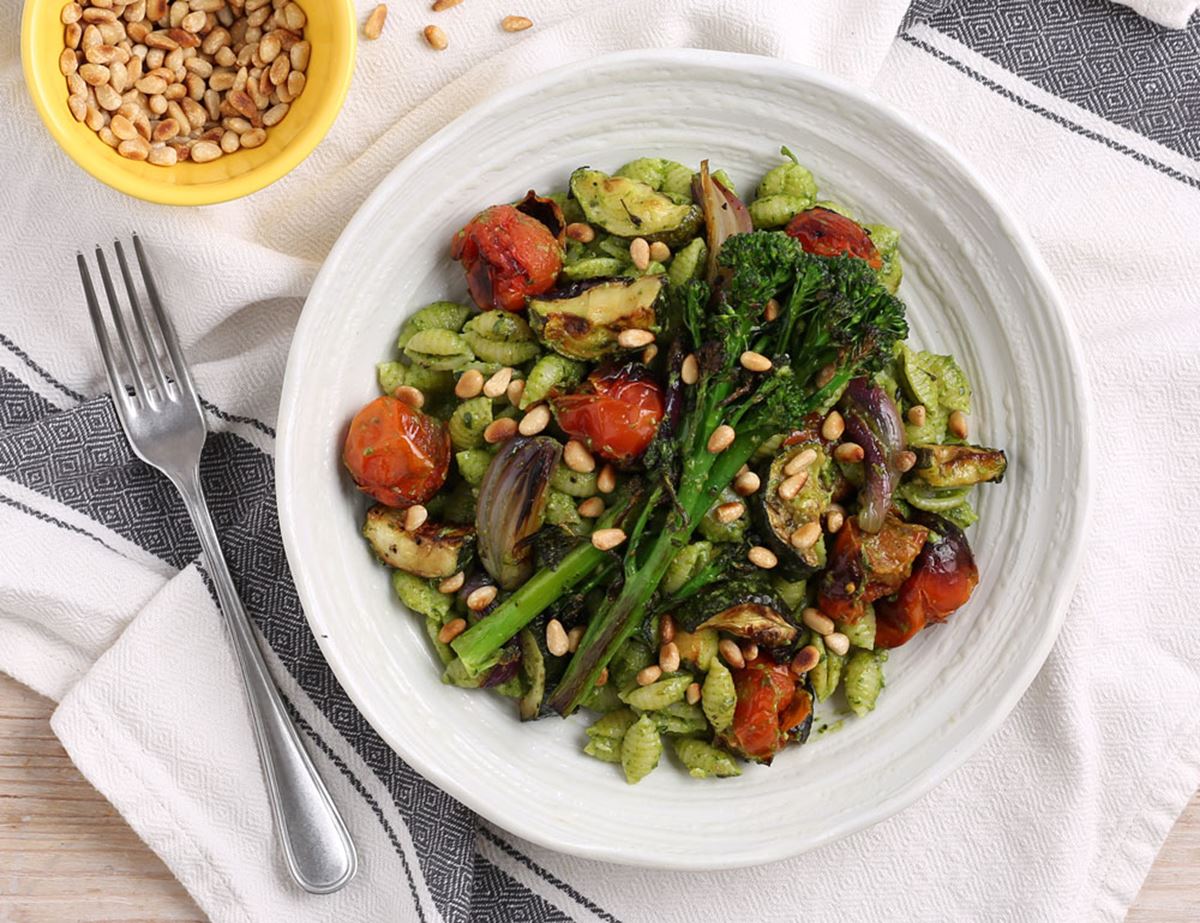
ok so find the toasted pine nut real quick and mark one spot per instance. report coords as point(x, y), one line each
point(254, 138)
point(835, 518)
point(123, 128)
point(731, 654)
point(606, 480)
point(648, 675)
point(574, 636)
point(136, 149)
point(453, 583)
point(162, 156)
point(639, 252)
point(825, 376)
point(556, 638)
point(668, 657)
point(498, 383)
point(800, 461)
point(481, 597)
point(806, 658)
point(755, 362)
point(373, 27)
point(634, 338)
point(71, 13)
point(78, 106)
point(762, 557)
point(499, 430)
point(649, 353)
point(435, 38)
point(536, 419)
point(833, 427)
point(817, 620)
point(771, 310)
point(602, 679)
point(730, 512)
point(469, 384)
point(414, 517)
point(439, 5)
point(515, 23)
point(905, 460)
point(788, 489)
point(660, 252)
point(750, 651)
point(721, 439)
point(607, 539)
point(515, 390)
point(577, 457)
point(578, 230)
point(666, 628)
point(916, 415)
point(849, 452)
point(591, 507)
point(746, 483)
point(95, 74)
point(690, 372)
point(406, 393)
point(452, 630)
point(806, 536)
point(957, 424)
point(693, 694)
point(838, 643)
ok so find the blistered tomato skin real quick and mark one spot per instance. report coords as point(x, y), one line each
point(396, 454)
point(763, 715)
point(823, 232)
point(943, 578)
point(507, 256)
point(615, 414)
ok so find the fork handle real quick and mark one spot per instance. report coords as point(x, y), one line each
point(320, 854)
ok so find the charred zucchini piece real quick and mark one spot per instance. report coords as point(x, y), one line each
point(958, 465)
point(778, 519)
point(582, 321)
point(433, 550)
point(630, 208)
point(744, 607)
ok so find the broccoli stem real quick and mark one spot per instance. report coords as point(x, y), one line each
point(476, 646)
point(704, 476)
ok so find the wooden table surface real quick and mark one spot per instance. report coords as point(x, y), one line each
point(66, 855)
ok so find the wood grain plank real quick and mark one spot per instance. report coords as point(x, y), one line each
point(65, 854)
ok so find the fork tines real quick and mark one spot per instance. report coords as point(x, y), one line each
point(153, 368)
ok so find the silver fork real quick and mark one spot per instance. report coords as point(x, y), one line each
point(165, 426)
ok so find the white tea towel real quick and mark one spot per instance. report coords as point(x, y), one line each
point(1174, 14)
point(104, 607)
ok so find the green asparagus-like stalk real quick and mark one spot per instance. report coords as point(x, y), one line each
point(478, 645)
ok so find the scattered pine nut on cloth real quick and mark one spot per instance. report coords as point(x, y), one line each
point(1057, 818)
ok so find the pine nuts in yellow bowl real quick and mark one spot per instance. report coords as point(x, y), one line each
point(188, 102)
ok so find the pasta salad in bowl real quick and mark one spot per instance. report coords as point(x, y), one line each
point(673, 464)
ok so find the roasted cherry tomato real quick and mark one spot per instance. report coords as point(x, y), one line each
point(396, 454)
point(888, 556)
point(507, 255)
point(615, 414)
point(839, 595)
point(765, 694)
point(943, 578)
point(826, 233)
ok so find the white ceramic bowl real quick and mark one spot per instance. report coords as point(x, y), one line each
point(974, 288)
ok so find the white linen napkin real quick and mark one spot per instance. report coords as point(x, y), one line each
point(104, 607)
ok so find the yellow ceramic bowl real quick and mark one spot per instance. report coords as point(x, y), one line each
point(332, 29)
